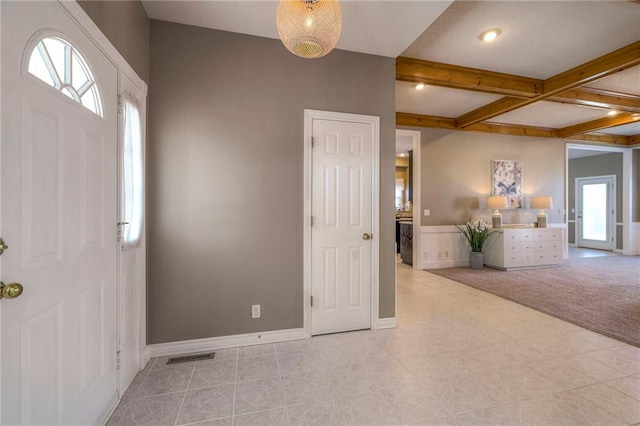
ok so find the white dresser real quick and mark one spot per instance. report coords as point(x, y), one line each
point(519, 248)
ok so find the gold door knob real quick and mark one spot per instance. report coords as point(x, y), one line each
point(366, 236)
point(3, 246)
point(10, 291)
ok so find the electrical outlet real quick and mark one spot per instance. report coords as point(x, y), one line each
point(446, 253)
point(425, 254)
point(255, 311)
point(427, 212)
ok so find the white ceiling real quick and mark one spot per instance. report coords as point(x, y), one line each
point(550, 114)
point(384, 28)
point(434, 100)
point(539, 38)
point(404, 144)
point(627, 81)
point(626, 130)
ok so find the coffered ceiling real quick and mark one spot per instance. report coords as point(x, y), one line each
point(557, 69)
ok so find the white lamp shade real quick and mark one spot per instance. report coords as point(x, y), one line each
point(309, 28)
point(497, 202)
point(542, 202)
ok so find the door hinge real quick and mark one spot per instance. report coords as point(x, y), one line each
point(313, 142)
point(311, 300)
point(119, 104)
point(311, 222)
point(118, 360)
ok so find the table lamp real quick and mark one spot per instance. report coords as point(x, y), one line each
point(542, 203)
point(496, 202)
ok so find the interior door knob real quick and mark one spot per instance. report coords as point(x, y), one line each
point(3, 246)
point(10, 291)
point(366, 236)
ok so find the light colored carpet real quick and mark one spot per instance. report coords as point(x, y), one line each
point(601, 294)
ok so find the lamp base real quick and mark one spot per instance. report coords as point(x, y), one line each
point(496, 220)
point(542, 219)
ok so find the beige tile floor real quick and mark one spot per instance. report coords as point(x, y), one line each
point(459, 356)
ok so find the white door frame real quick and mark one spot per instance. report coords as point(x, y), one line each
point(374, 122)
point(627, 187)
point(612, 230)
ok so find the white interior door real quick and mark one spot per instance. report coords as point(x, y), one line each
point(341, 251)
point(59, 210)
point(596, 215)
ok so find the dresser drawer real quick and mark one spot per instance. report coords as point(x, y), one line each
point(547, 246)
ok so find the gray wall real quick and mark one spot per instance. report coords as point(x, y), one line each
point(126, 25)
point(225, 158)
point(456, 174)
point(596, 165)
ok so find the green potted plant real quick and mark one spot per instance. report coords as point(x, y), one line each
point(476, 232)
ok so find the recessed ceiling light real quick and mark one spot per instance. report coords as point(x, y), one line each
point(490, 35)
point(420, 86)
point(612, 113)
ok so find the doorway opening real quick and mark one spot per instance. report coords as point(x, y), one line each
point(407, 196)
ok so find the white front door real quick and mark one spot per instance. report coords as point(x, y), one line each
point(59, 207)
point(341, 248)
point(596, 212)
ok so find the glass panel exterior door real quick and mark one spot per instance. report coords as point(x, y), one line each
point(596, 212)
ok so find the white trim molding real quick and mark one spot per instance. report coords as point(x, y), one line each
point(224, 342)
point(374, 122)
point(385, 323)
point(445, 247)
point(634, 242)
point(442, 247)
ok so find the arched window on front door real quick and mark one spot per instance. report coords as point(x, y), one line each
point(59, 64)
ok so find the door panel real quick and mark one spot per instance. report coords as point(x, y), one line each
point(342, 213)
point(59, 207)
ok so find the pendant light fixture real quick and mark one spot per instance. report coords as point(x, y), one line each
point(309, 28)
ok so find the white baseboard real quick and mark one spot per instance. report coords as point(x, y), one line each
point(384, 323)
point(573, 245)
point(224, 342)
point(146, 356)
point(453, 263)
point(108, 411)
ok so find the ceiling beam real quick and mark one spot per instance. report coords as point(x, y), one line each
point(611, 63)
point(608, 139)
point(595, 125)
point(488, 111)
point(457, 77)
point(418, 120)
point(633, 140)
point(603, 66)
point(588, 96)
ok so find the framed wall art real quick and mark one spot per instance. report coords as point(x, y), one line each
point(507, 181)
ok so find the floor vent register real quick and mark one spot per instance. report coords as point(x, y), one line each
point(190, 358)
